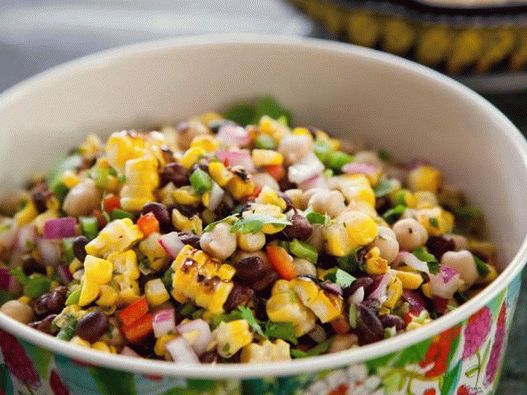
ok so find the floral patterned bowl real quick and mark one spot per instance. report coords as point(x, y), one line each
point(406, 108)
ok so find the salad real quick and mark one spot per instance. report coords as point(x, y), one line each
point(236, 237)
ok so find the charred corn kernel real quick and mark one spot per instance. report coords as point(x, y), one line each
point(141, 180)
point(122, 147)
point(232, 336)
point(393, 293)
point(155, 292)
point(41, 219)
point(361, 228)
point(356, 187)
point(184, 224)
point(326, 306)
point(436, 221)
point(302, 132)
point(80, 342)
point(426, 290)
point(375, 264)
point(266, 157)
point(186, 196)
point(128, 289)
point(270, 196)
point(266, 351)
point(205, 142)
point(102, 346)
point(201, 279)
point(89, 292)
point(117, 236)
point(408, 279)
point(70, 179)
point(161, 343)
point(108, 296)
point(24, 299)
point(337, 240)
point(425, 199)
point(191, 156)
point(220, 174)
point(74, 265)
point(97, 270)
point(125, 263)
point(91, 146)
point(27, 214)
point(251, 242)
point(240, 187)
point(273, 128)
point(425, 178)
point(152, 250)
point(285, 306)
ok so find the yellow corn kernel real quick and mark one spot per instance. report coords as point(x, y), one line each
point(240, 187)
point(74, 265)
point(426, 290)
point(302, 132)
point(134, 197)
point(425, 199)
point(117, 236)
point(152, 250)
point(91, 145)
point(266, 157)
point(425, 178)
point(102, 346)
point(206, 142)
point(24, 299)
point(125, 263)
point(270, 196)
point(226, 272)
point(232, 336)
point(108, 296)
point(143, 178)
point(184, 224)
point(128, 289)
point(191, 156)
point(324, 305)
point(436, 221)
point(26, 215)
point(375, 264)
point(89, 292)
point(273, 128)
point(361, 228)
point(266, 351)
point(98, 270)
point(337, 240)
point(80, 342)
point(356, 187)
point(186, 196)
point(409, 280)
point(155, 292)
point(70, 179)
point(123, 146)
point(394, 293)
point(403, 196)
point(219, 173)
point(251, 242)
point(161, 343)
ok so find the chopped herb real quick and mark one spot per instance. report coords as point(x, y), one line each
point(393, 214)
point(217, 319)
point(400, 197)
point(469, 212)
point(118, 213)
point(350, 263)
point(336, 159)
point(267, 105)
point(37, 285)
point(5, 296)
point(303, 250)
point(19, 275)
point(385, 187)
point(281, 330)
point(340, 277)
point(322, 149)
point(200, 181)
point(99, 176)
point(254, 223)
point(60, 190)
point(247, 315)
point(197, 314)
point(316, 218)
point(68, 249)
point(264, 141)
point(89, 226)
point(317, 350)
point(167, 279)
point(242, 114)
point(482, 267)
point(383, 155)
point(68, 329)
point(422, 254)
point(69, 163)
point(231, 219)
point(186, 309)
point(389, 332)
point(434, 222)
point(74, 297)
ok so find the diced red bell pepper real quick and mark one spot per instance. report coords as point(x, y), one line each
point(140, 329)
point(281, 261)
point(111, 202)
point(276, 171)
point(340, 325)
point(133, 311)
point(148, 224)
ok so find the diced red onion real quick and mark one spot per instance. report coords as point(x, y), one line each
point(215, 197)
point(237, 158)
point(65, 274)
point(8, 236)
point(204, 336)
point(332, 287)
point(415, 301)
point(59, 228)
point(445, 283)
point(129, 352)
point(359, 168)
point(307, 167)
point(357, 297)
point(27, 235)
point(411, 260)
point(181, 351)
point(171, 243)
point(230, 135)
point(317, 181)
point(164, 322)
point(8, 282)
point(379, 293)
point(49, 251)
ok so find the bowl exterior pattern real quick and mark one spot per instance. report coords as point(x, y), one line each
point(463, 360)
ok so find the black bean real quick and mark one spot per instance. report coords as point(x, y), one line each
point(437, 246)
point(79, 250)
point(39, 196)
point(250, 269)
point(369, 326)
point(209, 357)
point(265, 281)
point(361, 282)
point(189, 238)
point(159, 210)
point(174, 173)
point(30, 266)
point(44, 325)
point(300, 228)
point(392, 320)
point(92, 326)
point(240, 295)
point(57, 299)
point(40, 305)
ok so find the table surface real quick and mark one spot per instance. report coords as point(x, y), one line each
point(70, 29)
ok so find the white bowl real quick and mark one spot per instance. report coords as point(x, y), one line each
point(408, 109)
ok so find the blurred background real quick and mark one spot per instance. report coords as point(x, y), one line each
point(487, 50)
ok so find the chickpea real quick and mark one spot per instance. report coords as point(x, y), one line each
point(317, 237)
point(460, 242)
point(410, 234)
point(18, 311)
point(294, 147)
point(82, 199)
point(265, 179)
point(304, 268)
point(251, 242)
point(308, 194)
point(343, 342)
point(219, 242)
point(387, 243)
point(296, 197)
point(330, 202)
point(463, 262)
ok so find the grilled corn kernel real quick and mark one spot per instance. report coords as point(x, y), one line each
point(186, 196)
point(184, 224)
point(394, 293)
point(161, 343)
point(266, 351)
point(128, 289)
point(251, 242)
point(155, 292)
point(97, 270)
point(117, 236)
point(26, 215)
point(206, 142)
point(125, 263)
point(324, 305)
point(232, 336)
point(270, 196)
point(375, 264)
point(220, 174)
point(123, 146)
point(240, 186)
point(425, 178)
point(108, 296)
point(409, 280)
point(275, 129)
point(337, 240)
point(152, 250)
point(266, 157)
point(191, 156)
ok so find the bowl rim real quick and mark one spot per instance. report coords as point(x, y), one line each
point(287, 368)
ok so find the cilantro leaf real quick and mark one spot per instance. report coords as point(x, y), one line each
point(231, 219)
point(19, 275)
point(482, 267)
point(349, 263)
point(281, 330)
point(242, 114)
point(383, 155)
point(434, 222)
point(316, 218)
point(255, 222)
point(37, 285)
point(269, 106)
point(393, 214)
point(340, 277)
point(422, 254)
point(247, 315)
point(317, 350)
point(469, 212)
point(384, 187)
